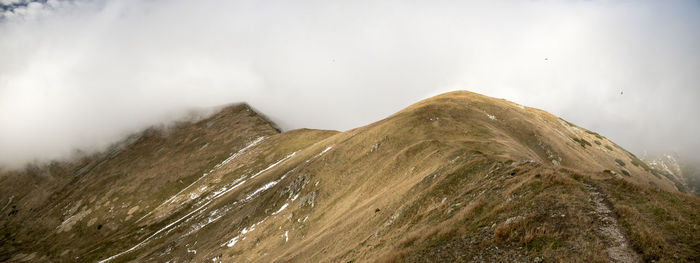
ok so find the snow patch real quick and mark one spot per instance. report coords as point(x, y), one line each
point(241, 234)
point(224, 162)
point(324, 151)
point(229, 159)
point(262, 188)
point(169, 226)
point(281, 208)
point(222, 191)
point(225, 190)
point(274, 164)
point(213, 217)
point(153, 235)
point(241, 151)
point(8, 203)
point(232, 242)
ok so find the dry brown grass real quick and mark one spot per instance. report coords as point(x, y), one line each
point(392, 257)
point(662, 226)
point(435, 182)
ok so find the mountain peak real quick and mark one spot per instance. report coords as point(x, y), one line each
point(514, 132)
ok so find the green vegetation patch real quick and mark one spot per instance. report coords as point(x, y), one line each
point(640, 163)
point(596, 134)
point(627, 173)
point(539, 243)
point(620, 162)
point(637, 162)
point(582, 142)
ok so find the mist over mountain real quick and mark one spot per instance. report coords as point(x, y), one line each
point(85, 74)
point(458, 177)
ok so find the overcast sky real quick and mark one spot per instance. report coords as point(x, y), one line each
point(83, 74)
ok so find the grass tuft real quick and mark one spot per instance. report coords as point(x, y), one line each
point(620, 162)
point(582, 142)
point(625, 172)
point(537, 244)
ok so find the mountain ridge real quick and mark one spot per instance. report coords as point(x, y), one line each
point(456, 177)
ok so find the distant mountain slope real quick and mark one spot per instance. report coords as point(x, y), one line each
point(457, 177)
point(683, 172)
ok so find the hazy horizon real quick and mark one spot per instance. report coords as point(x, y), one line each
point(84, 74)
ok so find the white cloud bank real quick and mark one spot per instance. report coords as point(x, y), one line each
point(82, 74)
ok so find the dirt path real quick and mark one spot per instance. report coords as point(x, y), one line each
point(620, 249)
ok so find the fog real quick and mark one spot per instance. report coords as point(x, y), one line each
point(84, 74)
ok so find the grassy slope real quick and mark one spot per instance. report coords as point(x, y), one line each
point(663, 226)
point(142, 171)
point(457, 177)
point(381, 191)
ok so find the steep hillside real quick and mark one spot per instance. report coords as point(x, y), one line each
point(682, 171)
point(457, 177)
point(691, 173)
point(64, 208)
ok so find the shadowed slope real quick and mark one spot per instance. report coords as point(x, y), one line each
point(107, 191)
